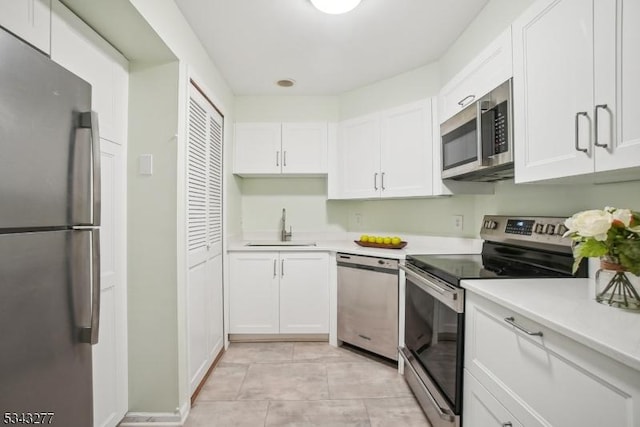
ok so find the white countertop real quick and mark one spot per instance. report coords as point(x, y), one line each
point(416, 245)
point(568, 307)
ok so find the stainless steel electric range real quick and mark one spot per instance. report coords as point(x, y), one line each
point(514, 247)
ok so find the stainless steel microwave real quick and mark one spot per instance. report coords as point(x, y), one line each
point(477, 143)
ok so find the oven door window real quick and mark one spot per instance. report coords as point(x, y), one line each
point(460, 146)
point(434, 334)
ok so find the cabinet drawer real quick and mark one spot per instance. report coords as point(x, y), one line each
point(488, 70)
point(481, 409)
point(548, 379)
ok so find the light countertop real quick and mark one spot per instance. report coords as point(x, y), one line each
point(416, 245)
point(568, 307)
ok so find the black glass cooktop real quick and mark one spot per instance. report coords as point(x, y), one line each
point(496, 261)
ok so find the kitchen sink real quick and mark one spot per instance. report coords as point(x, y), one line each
point(280, 243)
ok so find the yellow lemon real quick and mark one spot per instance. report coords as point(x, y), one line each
point(379, 239)
point(395, 240)
point(364, 238)
point(387, 240)
point(372, 239)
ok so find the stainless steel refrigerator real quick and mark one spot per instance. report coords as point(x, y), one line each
point(49, 239)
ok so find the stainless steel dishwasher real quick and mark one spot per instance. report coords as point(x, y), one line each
point(368, 303)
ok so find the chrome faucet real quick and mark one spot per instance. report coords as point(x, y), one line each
point(284, 235)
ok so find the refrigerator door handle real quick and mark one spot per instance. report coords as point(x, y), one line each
point(90, 335)
point(89, 120)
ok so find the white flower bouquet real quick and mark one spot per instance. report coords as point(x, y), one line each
point(611, 234)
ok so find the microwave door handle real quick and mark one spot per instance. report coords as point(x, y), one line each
point(480, 152)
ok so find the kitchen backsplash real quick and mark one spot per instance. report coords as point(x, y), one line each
point(309, 210)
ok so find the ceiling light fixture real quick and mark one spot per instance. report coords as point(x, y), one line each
point(286, 82)
point(335, 7)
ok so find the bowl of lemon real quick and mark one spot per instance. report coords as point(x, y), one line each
point(385, 242)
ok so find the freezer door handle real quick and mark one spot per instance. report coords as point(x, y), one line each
point(90, 335)
point(89, 120)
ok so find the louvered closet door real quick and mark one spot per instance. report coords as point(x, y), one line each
point(204, 235)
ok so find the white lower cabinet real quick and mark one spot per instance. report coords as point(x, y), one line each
point(548, 380)
point(481, 409)
point(279, 292)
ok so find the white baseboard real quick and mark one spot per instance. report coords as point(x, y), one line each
point(156, 419)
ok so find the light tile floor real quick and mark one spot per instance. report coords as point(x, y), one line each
point(303, 384)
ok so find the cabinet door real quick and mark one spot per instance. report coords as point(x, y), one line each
point(257, 148)
point(110, 354)
point(553, 82)
point(481, 409)
point(617, 67)
point(29, 20)
point(492, 67)
point(304, 293)
point(406, 151)
point(79, 49)
point(304, 148)
point(358, 152)
point(253, 298)
point(531, 374)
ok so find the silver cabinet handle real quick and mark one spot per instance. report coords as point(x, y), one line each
point(277, 158)
point(375, 181)
point(462, 102)
point(275, 273)
point(507, 424)
point(595, 118)
point(382, 181)
point(284, 159)
point(512, 322)
point(578, 114)
point(282, 268)
point(89, 120)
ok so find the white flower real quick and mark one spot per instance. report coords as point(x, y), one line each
point(593, 223)
point(622, 215)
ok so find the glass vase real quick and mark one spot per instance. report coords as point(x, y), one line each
point(617, 287)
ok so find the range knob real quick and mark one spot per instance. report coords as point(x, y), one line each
point(491, 225)
point(550, 229)
point(561, 229)
point(539, 229)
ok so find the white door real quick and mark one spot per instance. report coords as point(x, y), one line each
point(253, 295)
point(304, 148)
point(204, 235)
point(257, 148)
point(406, 151)
point(304, 293)
point(481, 409)
point(29, 20)
point(358, 153)
point(617, 53)
point(553, 82)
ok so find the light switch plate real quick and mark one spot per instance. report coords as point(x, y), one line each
point(145, 164)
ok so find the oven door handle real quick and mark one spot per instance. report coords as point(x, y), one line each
point(453, 299)
point(442, 412)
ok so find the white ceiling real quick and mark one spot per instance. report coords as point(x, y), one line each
point(254, 43)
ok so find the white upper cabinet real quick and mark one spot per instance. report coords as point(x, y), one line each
point(29, 20)
point(387, 154)
point(83, 52)
point(280, 149)
point(576, 64)
point(617, 84)
point(486, 71)
point(406, 162)
point(358, 158)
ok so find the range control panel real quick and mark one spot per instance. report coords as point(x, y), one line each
point(519, 230)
